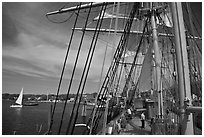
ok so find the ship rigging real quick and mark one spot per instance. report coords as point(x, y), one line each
point(156, 61)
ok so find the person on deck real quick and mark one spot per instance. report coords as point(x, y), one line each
point(129, 114)
point(118, 123)
point(153, 127)
point(123, 122)
point(143, 120)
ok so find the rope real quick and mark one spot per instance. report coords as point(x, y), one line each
point(124, 42)
point(94, 110)
point(61, 77)
point(172, 46)
point(193, 24)
point(59, 22)
point(193, 54)
point(88, 60)
point(116, 58)
point(174, 65)
point(76, 61)
point(134, 60)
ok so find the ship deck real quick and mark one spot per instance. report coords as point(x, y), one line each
point(133, 127)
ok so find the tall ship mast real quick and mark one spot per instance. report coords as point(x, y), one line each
point(153, 69)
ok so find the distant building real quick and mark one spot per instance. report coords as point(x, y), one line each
point(90, 97)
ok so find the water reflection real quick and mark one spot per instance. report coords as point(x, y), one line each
point(18, 111)
point(17, 120)
point(84, 119)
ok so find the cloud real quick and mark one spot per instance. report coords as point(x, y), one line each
point(36, 48)
point(40, 56)
point(47, 60)
point(9, 30)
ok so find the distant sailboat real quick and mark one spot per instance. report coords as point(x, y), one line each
point(19, 101)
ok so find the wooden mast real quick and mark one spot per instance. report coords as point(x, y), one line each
point(186, 120)
point(157, 61)
point(182, 62)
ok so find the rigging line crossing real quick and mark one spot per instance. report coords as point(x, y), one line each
point(191, 22)
point(117, 62)
point(137, 51)
point(195, 71)
point(62, 116)
point(118, 52)
point(77, 56)
point(105, 82)
point(89, 60)
point(167, 61)
point(190, 19)
point(193, 79)
point(62, 73)
point(124, 42)
point(194, 57)
point(123, 59)
point(119, 77)
point(172, 46)
point(192, 68)
point(173, 53)
point(116, 55)
point(174, 65)
point(191, 54)
point(195, 18)
point(94, 109)
point(196, 63)
point(194, 40)
point(102, 95)
point(85, 68)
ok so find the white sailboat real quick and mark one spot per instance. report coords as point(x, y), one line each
point(19, 101)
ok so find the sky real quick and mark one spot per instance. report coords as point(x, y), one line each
point(33, 49)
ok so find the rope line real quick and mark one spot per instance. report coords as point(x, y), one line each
point(88, 60)
point(89, 64)
point(61, 77)
point(116, 58)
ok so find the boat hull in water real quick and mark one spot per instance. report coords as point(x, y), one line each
point(30, 104)
point(16, 106)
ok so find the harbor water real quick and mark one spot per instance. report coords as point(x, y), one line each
point(33, 120)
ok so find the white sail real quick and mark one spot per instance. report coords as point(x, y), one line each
point(20, 98)
point(146, 70)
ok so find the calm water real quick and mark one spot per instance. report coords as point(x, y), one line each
point(28, 120)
